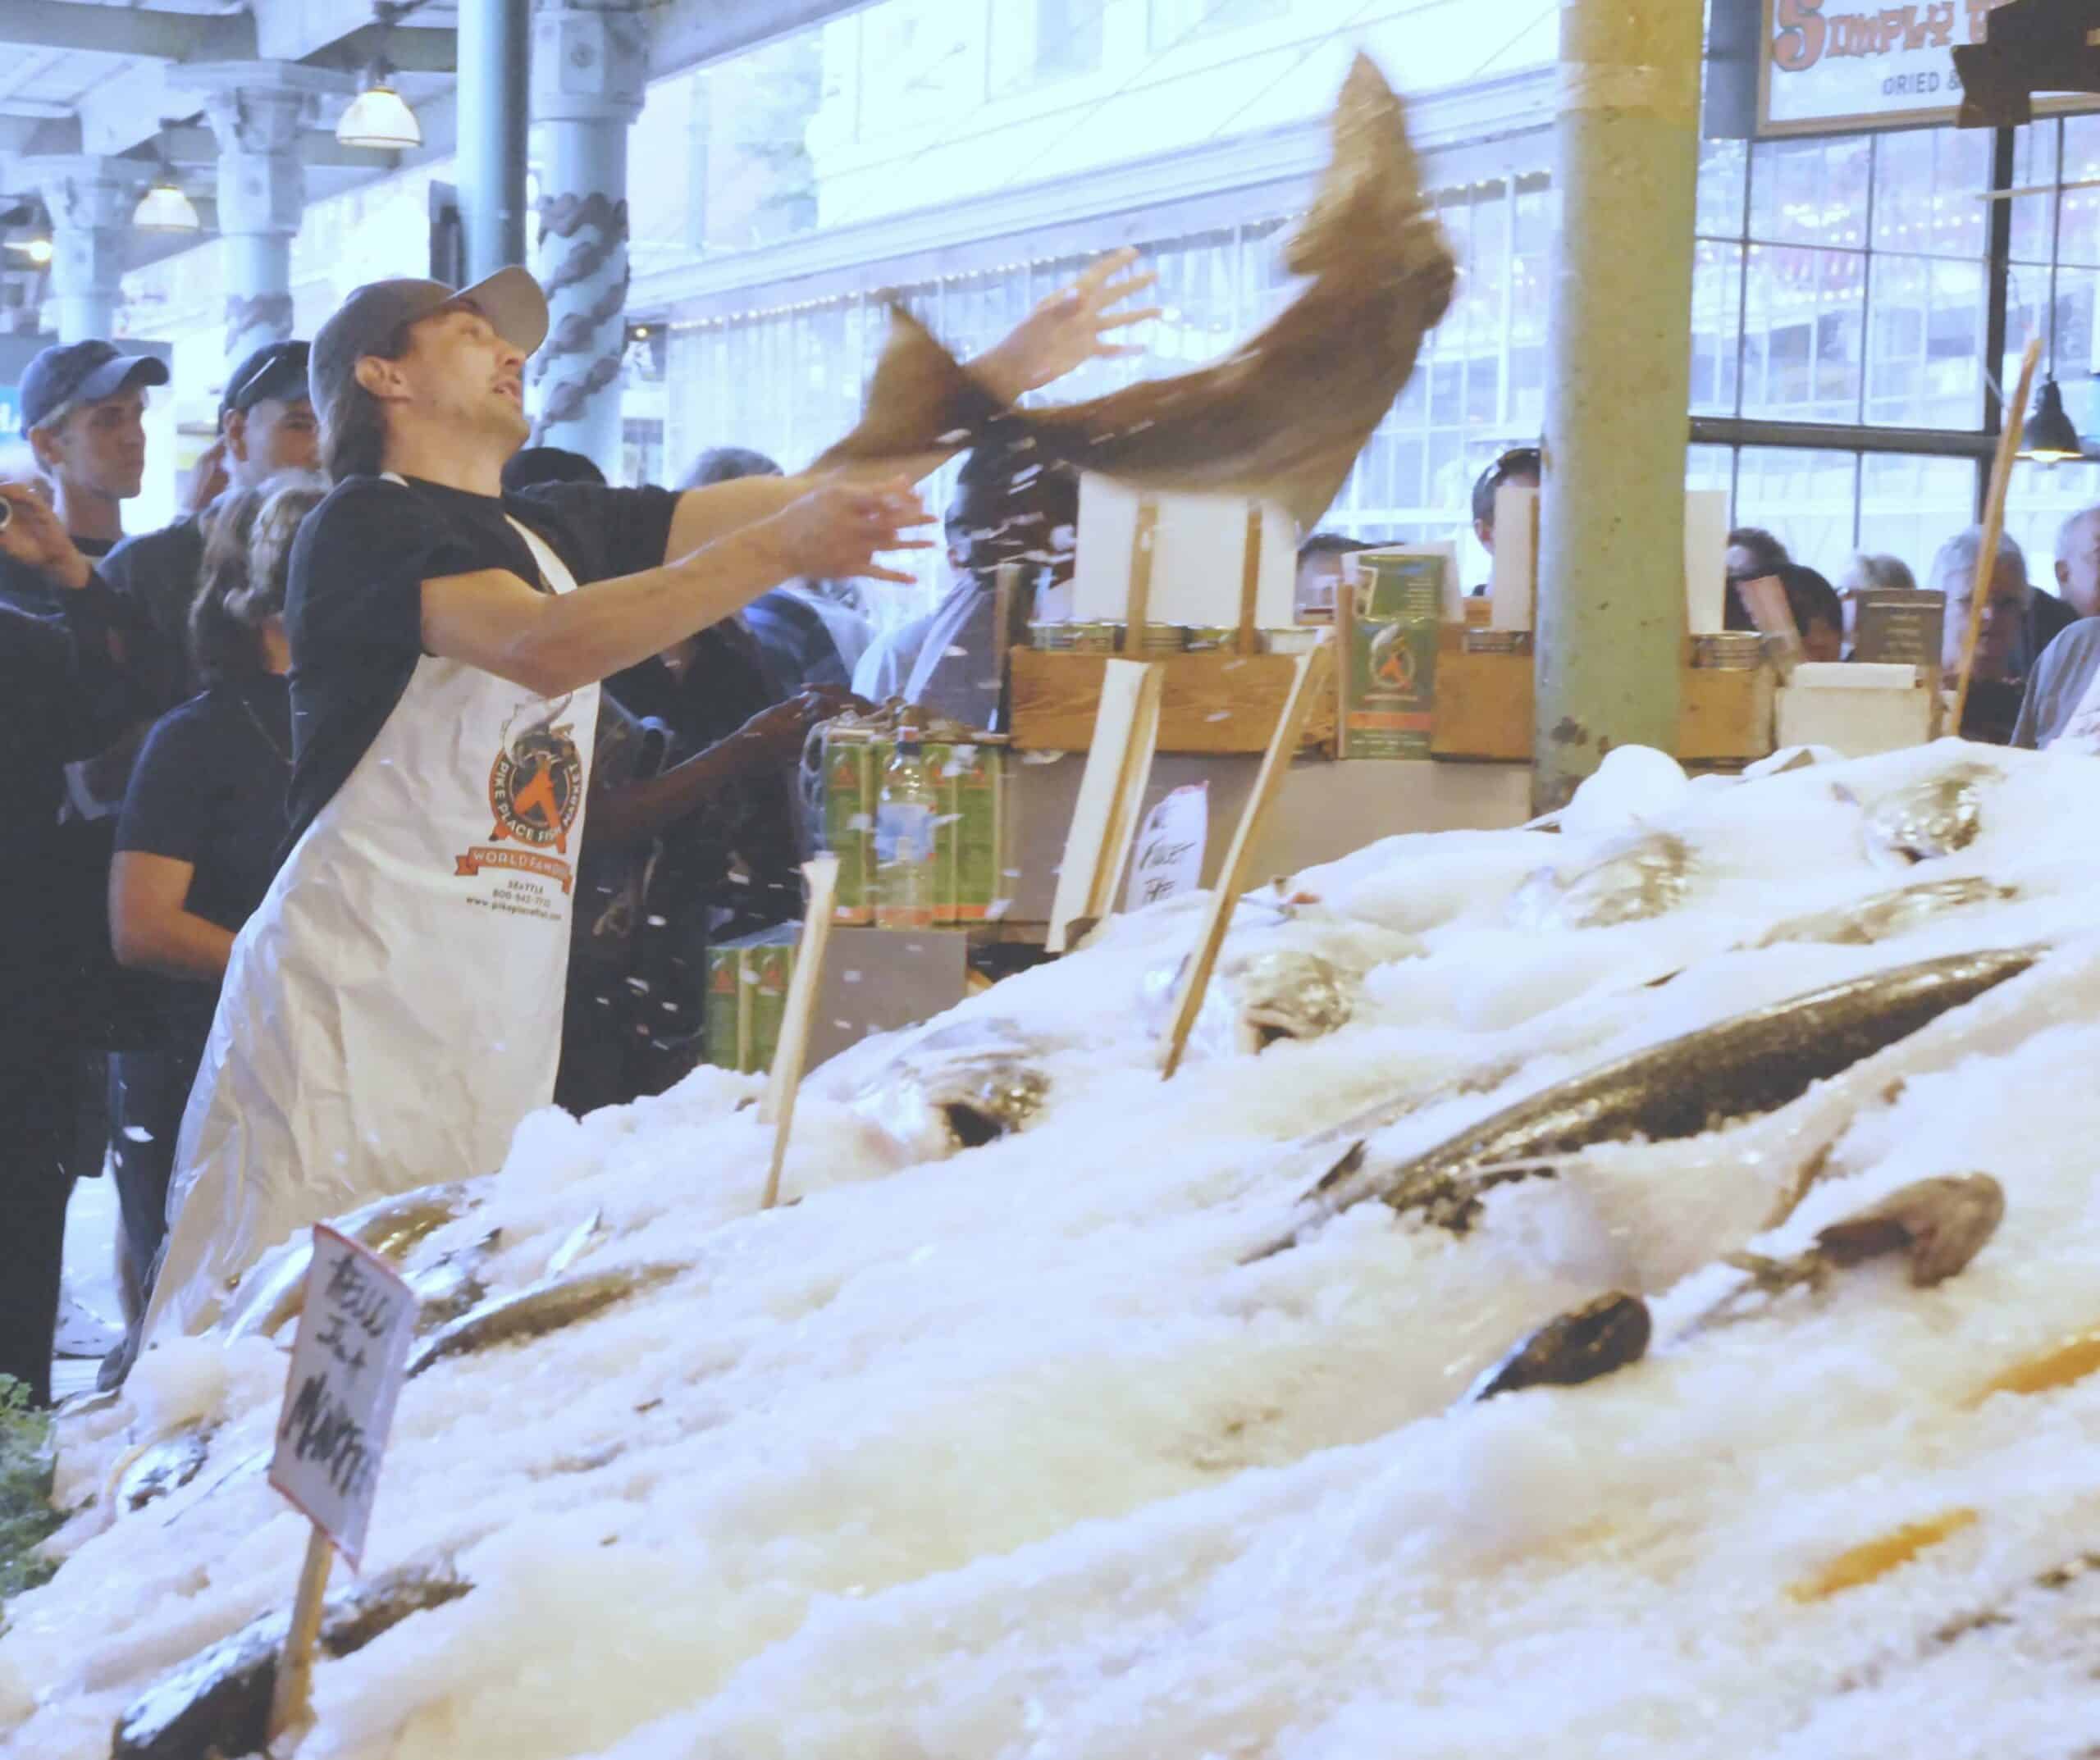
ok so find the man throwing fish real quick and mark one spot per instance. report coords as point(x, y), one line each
point(392, 1009)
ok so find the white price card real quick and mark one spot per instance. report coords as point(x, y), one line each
point(348, 1365)
point(1169, 858)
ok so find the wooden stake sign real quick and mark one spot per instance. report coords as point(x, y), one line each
point(348, 1365)
point(778, 1109)
point(1112, 790)
point(1987, 554)
point(1305, 684)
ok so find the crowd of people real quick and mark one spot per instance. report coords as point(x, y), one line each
point(310, 771)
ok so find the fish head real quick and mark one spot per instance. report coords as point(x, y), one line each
point(959, 1087)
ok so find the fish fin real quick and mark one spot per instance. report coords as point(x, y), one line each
point(920, 399)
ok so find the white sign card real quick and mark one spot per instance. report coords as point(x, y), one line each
point(1706, 560)
point(1513, 577)
point(1169, 858)
point(1513, 587)
point(348, 1365)
point(1200, 551)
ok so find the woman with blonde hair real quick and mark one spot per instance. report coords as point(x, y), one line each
point(197, 840)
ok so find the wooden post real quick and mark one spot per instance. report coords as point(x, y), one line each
point(1137, 604)
point(778, 1109)
point(291, 1700)
point(1305, 684)
point(1105, 815)
point(1250, 582)
point(1610, 613)
point(1987, 555)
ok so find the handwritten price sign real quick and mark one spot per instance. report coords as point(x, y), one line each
point(1169, 858)
point(346, 1374)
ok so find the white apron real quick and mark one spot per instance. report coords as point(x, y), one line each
point(392, 1009)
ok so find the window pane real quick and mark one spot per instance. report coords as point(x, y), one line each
point(1716, 324)
point(1909, 506)
point(1722, 165)
point(1804, 498)
point(2033, 161)
point(1810, 192)
point(1801, 357)
point(1710, 467)
point(1925, 187)
point(2074, 351)
point(2041, 498)
point(2080, 242)
point(1925, 343)
point(1173, 20)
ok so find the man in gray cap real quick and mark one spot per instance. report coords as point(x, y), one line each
point(392, 1010)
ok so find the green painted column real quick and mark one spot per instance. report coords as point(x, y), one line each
point(1611, 537)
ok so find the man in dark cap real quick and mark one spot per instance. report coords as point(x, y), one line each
point(83, 408)
point(266, 425)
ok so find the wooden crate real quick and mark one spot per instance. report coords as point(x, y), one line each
point(1210, 702)
point(1484, 709)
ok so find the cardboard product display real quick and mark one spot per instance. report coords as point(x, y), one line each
point(1899, 628)
point(1859, 707)
point(1195, 554)
point(1513, 585)
point(969, 830)
point(1385, 668)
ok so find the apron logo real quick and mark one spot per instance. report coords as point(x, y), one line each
point(536, 789)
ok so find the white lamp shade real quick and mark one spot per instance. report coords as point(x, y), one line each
point(165, 208)
point(379, 117)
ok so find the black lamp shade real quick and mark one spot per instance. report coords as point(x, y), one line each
point(2049, 434)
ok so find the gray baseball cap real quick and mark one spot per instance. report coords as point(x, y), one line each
point(367, 321)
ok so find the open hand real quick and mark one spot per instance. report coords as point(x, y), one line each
point(36, 538)
point(1070, 328)
point(781, 732)
point(835, 531)
point(208, 477)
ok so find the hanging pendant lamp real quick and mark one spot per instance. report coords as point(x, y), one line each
point(2049, 437)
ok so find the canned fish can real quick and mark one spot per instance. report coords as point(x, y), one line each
point(1052, 638)
point(1164, 638)
point(849, 818)
point(1498, 642)
point(1729, 651)
point(1209, 638)
point(1096, 637)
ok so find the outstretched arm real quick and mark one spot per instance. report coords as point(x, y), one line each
point(553, 643)
point(1066, 331)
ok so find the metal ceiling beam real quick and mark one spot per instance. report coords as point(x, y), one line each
point(694, 33)
point(189, 145)
point(139, 34)
point(127, 31)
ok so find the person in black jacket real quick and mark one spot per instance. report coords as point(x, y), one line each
point(197, 842)
point(66, 697)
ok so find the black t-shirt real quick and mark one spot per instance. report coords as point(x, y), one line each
point(353, 607)
point(157, 572)
point(209, 790)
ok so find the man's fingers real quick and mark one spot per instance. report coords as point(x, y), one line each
point(1123, 320)
point(1103, 267)
point(1136, 284)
